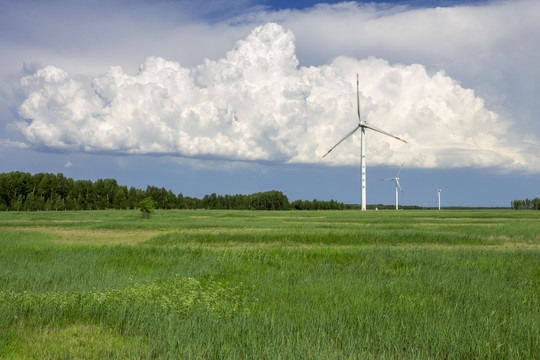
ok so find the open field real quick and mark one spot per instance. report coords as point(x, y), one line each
point(269, 285)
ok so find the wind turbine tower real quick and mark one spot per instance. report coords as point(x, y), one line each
point(396, 179)
point(439, 194)
point(362, 125)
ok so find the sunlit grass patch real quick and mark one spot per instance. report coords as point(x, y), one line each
point(178, 297)
point(90, 236)
point(101, 237)
point(75, 341)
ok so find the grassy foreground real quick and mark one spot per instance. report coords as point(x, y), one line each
point(270, 285)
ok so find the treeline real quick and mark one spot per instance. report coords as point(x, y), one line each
point(527, 204)
point(43, 191)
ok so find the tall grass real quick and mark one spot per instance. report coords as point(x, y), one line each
point(417, 285)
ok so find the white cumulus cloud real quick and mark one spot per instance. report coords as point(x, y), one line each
point(257, 104)
point(8, 144)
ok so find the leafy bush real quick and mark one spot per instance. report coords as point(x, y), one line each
point(147, 206)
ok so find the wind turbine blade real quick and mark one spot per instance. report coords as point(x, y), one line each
point(382, 132)
point(436, 188)
point(399, 186)
point(397, 175)
point(358, 99)
point(340, 141)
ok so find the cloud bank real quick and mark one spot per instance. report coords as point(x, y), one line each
point(257, 104)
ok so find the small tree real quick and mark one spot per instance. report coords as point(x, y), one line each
point(147, 206)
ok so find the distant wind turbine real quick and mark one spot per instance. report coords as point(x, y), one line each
point(362, 125)
point(396, 179)
point(439, 194)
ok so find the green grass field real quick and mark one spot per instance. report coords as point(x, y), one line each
point(270, 285)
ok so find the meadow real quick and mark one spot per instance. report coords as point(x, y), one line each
point(270, 284)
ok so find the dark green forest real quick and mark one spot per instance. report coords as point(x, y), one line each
point(527, 204)
point(21, 191)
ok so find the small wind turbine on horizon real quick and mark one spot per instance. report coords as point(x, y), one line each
point(362, 125)
point(396, 179)
point(439, 194)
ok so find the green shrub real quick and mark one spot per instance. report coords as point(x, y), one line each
point(147, 206)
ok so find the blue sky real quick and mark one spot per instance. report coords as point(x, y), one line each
point(246, 96)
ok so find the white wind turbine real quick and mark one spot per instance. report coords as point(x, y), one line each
point(362, 125)
point(439, 194)
point(396, 179)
